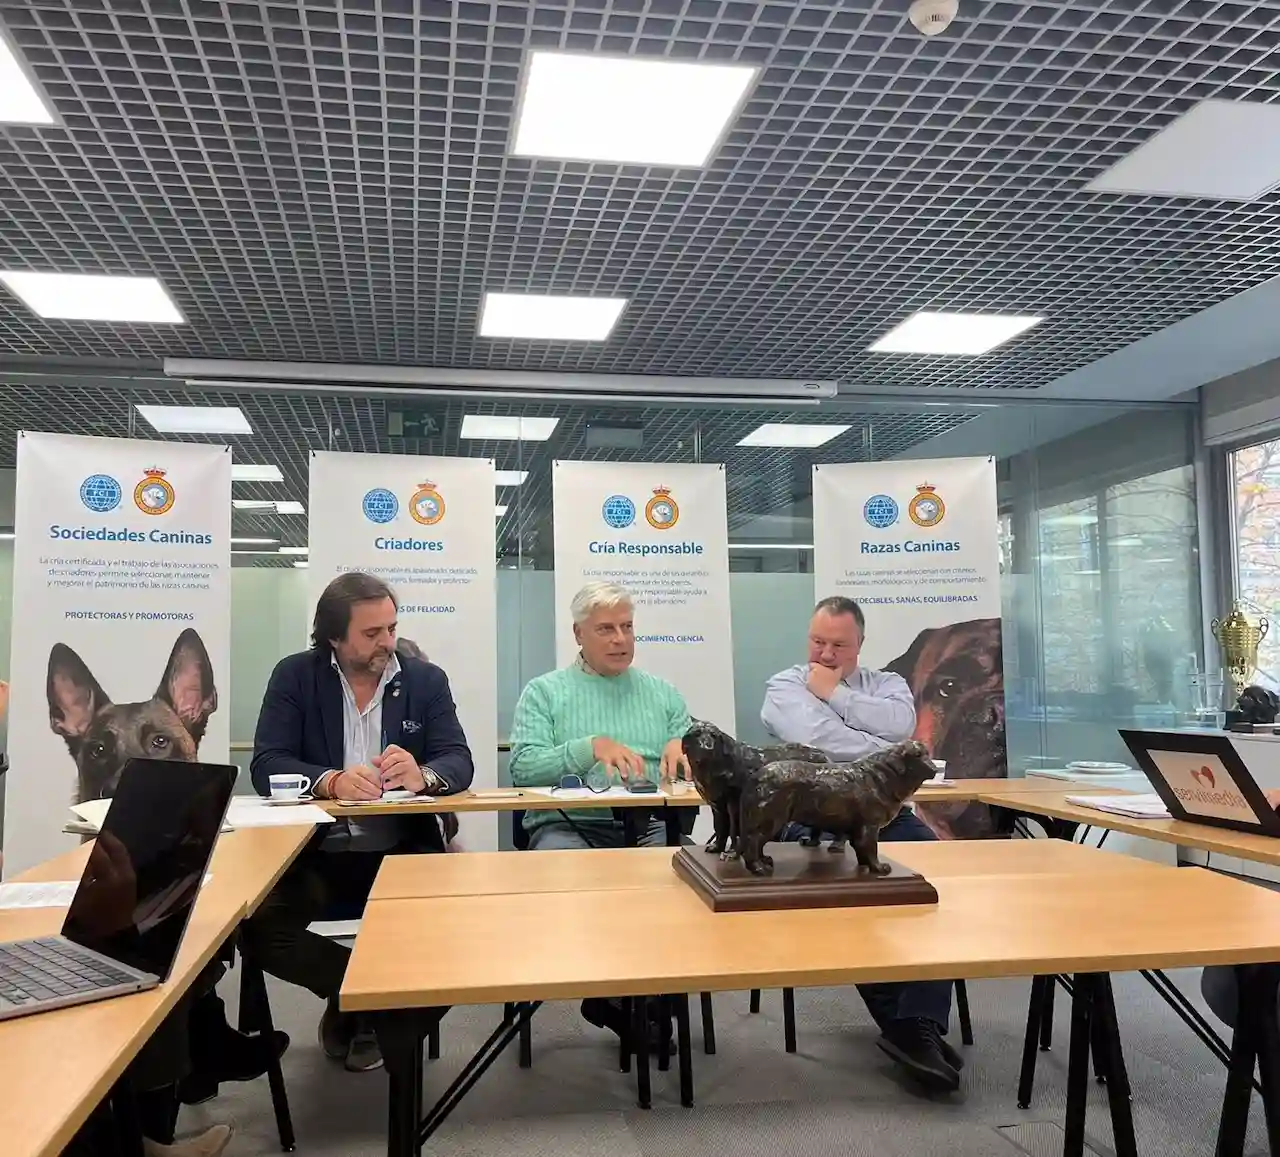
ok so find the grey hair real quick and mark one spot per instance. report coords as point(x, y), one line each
point(598, 596)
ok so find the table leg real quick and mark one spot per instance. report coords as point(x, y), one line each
point(466, 1080)
point(1078, 1068)
point(708, 1025)
point(663, 1005)
point(1256, 1039)
point(789, 1019)
point(685, 1047)
point(1107, 1044)
point(400, 1037)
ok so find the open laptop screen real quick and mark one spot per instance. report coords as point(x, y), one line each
point(1201, 776)
point(146, 866)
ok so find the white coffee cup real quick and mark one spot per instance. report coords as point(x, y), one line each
point(286, 786)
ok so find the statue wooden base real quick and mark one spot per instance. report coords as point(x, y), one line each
point(802, 878)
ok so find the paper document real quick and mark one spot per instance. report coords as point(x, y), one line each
point(1139, 807)
point(396, 795)
point(250, 812)
point(245, 812)
point(46, 894)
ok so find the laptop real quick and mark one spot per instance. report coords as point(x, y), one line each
point(125, 924)
point(1202, 779)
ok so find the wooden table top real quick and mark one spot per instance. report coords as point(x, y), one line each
point(1244, 845)
point(684, 794)
point(56, 1066)
point(625, 869)
point(1030, 920)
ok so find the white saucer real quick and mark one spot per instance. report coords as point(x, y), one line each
point(1097, 767)
point(289, 802)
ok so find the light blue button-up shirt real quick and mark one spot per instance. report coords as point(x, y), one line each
point(868, 711)
point(361, 741)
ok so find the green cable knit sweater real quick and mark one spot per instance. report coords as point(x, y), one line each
point(561, 712)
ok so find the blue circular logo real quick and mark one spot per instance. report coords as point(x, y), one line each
point(619, 511)
point(880, 511)
point(380, 505)
point(100, 493)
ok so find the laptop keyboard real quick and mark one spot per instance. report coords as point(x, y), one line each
point(38, 970)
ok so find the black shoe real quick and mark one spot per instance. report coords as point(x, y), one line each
point(196, 1089)
point(608, 1014)
point(951, 1056)
point(916, 1044)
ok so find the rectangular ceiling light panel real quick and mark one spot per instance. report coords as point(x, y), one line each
point(1221, 150)
point(626, 110)
point(89, 297)
point(953, 333)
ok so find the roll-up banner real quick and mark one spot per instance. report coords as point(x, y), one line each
point(121, 623)
point(659, 530)
point(425, 526)
point(916, 544)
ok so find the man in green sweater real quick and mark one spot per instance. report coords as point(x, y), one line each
point(597, 718)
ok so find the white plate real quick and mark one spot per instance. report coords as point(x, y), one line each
point(289, 802)
point(1097, 767)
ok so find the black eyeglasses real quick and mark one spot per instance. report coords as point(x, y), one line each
point(577, 783)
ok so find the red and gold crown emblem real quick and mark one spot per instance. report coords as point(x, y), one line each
point(661, 511)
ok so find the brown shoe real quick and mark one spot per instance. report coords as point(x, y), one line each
point(211, 1143)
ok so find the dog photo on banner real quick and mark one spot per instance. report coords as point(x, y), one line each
point(122, 650)
point(916, 544)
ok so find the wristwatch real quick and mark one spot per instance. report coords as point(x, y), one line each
point(431, 782)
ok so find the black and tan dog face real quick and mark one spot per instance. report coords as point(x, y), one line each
point(956, 676)
point(103, 736)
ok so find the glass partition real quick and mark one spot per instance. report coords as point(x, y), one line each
point(1097, 539)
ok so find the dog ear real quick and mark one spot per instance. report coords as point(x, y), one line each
point(905, 664)
point(75, 696)
point(187, 685)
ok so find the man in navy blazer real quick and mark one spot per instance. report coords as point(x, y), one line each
point(356, 717)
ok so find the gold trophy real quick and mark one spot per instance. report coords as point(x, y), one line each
point(1238, 641)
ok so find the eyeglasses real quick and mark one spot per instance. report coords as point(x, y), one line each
point(577, 783)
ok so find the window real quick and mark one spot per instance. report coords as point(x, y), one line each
point(1255, 473)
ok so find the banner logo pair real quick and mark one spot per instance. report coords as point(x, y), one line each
point(154, 495)
point(926, 509)
point(661, 511)
point(426, 505)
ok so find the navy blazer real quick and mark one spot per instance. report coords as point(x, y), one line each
point(300, 723)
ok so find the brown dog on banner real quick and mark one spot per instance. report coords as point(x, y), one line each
point(103, 736)
point(956, 676)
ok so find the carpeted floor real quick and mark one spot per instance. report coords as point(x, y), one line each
point(837, 1095)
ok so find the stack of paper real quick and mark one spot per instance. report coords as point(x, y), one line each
point(1138, 807)
point(245, 812)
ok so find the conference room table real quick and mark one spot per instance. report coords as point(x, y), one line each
point(56, 1067)
point(439, 934)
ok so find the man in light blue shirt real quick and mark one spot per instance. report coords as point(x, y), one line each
point(849, 711)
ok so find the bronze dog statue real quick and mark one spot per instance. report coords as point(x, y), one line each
point(850, 800)
point(720, 766)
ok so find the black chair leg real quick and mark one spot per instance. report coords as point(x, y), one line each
point(255, 1011)
point(665, 1011)
point(789, 1018)
point(433, 1042)
point(708, 1026)
point(1046, 1021)
point(624, 1041)
point(685, 1050)
point(1035, 1014)
point(962, 1013)
point(640, 1036)
point(755, 1000)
